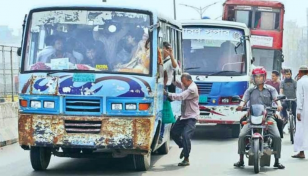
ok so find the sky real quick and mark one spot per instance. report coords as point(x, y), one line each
point(13, 11)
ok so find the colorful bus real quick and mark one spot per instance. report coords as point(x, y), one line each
point(265, 18)
point(218, 55)
point(91, 82)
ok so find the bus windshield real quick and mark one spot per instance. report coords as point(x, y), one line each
point(103, 41)
point(214, 51)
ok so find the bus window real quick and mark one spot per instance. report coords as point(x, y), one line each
point(244, 17)
point(109, 41)
point(267, 20)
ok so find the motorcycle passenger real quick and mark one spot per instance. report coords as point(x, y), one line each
point(265, 95)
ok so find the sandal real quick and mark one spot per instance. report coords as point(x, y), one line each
point(298, 156)
point(182, 154)
point(279, 166)
point(184, 163)
point(239, 164)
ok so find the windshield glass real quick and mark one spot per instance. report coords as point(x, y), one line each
point(108, 41)
point(257, 110)
point(210, 50)
point(264, 58)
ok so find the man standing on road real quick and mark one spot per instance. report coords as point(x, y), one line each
point(301, 134)
point(288, 88)
point(185, 126)
point(275, 80)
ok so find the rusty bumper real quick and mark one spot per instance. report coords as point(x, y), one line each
point(86, 132)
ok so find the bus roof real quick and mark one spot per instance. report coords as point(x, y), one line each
point(107, 6)
point(213, 23)
point(262, 3)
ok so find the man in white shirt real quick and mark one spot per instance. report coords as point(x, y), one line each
point(170, 64)
point(170, 67)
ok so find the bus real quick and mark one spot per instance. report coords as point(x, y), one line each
point(265, 19)
point(91, 82)
point(218, 56)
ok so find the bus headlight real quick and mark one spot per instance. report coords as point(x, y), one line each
point(116, 106)
point(49, 104)
point(36, 104)
point(131, 106)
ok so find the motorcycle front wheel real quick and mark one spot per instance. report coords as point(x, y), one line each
point(256, 153)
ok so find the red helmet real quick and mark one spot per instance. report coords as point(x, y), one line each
point(259, 71)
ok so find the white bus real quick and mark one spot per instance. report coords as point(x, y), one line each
point(218, 56)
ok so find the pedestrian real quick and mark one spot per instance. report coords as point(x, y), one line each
point(185, 125)
point(301, 134)
point(275, 80)
point(288, 88)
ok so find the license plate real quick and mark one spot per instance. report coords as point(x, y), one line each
point(204, 117)
point(202, 99)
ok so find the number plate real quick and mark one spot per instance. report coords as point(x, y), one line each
point(202, 99)
point(204, 117)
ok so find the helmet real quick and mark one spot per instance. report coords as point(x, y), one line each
point(260, 71)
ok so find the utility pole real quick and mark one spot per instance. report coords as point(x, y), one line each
point(174, 9)
point(200, 9)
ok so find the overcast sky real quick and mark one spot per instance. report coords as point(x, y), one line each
point(13, 11)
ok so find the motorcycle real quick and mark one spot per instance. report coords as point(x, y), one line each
point(259, 146)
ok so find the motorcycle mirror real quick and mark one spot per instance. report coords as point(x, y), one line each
point(19, 51)
point(236, 98)
point(281, 97)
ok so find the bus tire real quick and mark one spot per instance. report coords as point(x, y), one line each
point(142, 162)
point(164, 149)
point(40, 158)
point(236, 130)
point(156, 137)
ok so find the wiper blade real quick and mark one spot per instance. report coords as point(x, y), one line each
point(191, 68)
point(67, 70)
point(221, 72)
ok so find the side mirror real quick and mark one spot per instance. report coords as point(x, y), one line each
point(281, 97)
point(19, 51)
point(236, 99)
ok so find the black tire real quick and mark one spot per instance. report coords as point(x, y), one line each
point(292, 130)
point(236, 129)
point(40, 158)
point(164, 149)
point(256, 155)
point(142, 162)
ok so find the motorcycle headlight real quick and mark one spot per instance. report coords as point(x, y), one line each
point(36, 104)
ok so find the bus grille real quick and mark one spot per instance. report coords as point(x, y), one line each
point(89, 127)
point(83, 106)
point(204, 88)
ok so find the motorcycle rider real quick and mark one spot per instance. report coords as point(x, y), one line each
point(265, 95)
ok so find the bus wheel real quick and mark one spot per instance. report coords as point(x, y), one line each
point(142, 162)
point(40, 158)
point(164, 149)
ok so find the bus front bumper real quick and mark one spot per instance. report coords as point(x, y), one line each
point(86, 132)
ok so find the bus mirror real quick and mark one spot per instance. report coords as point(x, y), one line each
point(282, 58)
point(19, 51)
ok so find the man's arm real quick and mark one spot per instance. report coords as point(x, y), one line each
point(181, 96)
point(281, 88)
point(178, 84)
point(246, 98)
